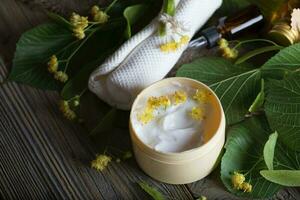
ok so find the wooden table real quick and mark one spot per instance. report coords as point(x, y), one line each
point(44, 156)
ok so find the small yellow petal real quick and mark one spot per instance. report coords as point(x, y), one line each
point(237, 180)
point(197, 113)
point(101, 162)
point(200, 96)
point(246, 187)
point(179, 97)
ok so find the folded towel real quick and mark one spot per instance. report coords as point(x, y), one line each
point(140, 61)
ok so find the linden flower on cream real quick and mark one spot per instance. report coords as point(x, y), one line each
point(200, 96)
point(197, 113)
point(179, 97)
point(101, 162)
point(146, 116)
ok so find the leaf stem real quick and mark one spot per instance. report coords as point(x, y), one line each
point(110, 6)
point(255, 40)
point(76, 50)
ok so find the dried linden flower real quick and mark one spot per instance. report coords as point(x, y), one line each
point(200, 96)
point(197, 113)
point(61, 76)
point(101, 162)
point(53, 64)
point(164, 101)
point(179, 97)
point(68, 113)
point(237, 180)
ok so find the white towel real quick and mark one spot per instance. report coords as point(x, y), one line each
point(139, 62)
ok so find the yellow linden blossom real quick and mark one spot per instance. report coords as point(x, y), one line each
point(227, 52)
point(184, 40)
point(223, 43)
point(197, 113)
point(155, 102)
point(61, 76)
point(79, 23)
point(164, 101)
point(169, 47)
point(246, 187)
point(230, 53)
point(146, 116)
point(53, 64)
point(68, 113)
point(173, 46)
point(101, 162)
point(179, 97)
point(238, 182)
point(99, 15)
point(200, 96)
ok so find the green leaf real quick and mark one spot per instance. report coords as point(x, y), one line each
point(259, 100)
point(290, 178)
point(244, 154)
point(269, 150)
point(285, 61)
point(132, 14)
point(33, 52)
point(282, 107)
point(256, 52)
point(169, 7)
point(106, 123)
point(236, 86)
point(152, 191)
point(59, 19)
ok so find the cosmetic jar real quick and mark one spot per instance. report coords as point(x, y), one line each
point(186, 166)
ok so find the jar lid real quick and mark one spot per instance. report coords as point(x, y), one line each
point(283, 34)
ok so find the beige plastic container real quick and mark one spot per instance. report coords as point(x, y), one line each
point(188, 166)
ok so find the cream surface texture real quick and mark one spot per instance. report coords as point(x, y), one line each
point(172, 129)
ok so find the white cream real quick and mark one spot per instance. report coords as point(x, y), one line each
point(172, 129)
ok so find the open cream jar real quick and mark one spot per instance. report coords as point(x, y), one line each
point(177, 128)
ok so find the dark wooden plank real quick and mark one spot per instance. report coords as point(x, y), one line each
point(42, 155)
